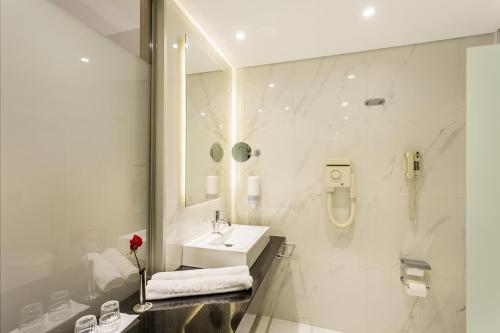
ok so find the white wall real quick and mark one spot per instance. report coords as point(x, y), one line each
point(483, 162)
point(350, 281)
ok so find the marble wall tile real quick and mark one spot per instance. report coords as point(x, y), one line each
point(299, 114)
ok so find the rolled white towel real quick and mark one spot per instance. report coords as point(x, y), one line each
point(127, 270)
point(198, 273)
point(106, 276)
point(161, 289)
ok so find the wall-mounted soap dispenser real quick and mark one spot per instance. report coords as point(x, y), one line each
point(212, 187)
point(253, 189)
point(338, 175)
point(411, 163)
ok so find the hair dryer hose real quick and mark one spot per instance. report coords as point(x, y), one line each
point(350, 219)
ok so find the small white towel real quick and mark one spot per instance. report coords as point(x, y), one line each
point(161, 289)
point(128, 271)
point(198, 273)
point(106, 276)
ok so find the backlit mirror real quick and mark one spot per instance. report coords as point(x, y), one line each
point(208, 111)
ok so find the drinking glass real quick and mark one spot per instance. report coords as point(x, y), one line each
point(32, 318)
point(110, 316)
point(86, 324)
point(60, 306)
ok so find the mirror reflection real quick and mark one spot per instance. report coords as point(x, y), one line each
point(242, 152)
point(208, 103)
point(216, 152)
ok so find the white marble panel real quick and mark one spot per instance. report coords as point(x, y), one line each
point(296, 114)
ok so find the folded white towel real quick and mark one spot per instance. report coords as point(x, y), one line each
point(106, 276)
point(161, 289)
point(123, 265)
point(197, 273)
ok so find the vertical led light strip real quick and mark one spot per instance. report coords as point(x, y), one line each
point(234, 131)
point(181, 42)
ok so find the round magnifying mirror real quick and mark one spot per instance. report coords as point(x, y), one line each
point(241, 152)
point(216, 152)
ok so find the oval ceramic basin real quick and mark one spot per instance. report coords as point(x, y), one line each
point(238, 245)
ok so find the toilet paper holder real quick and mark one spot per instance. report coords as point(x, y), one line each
point(418, 271)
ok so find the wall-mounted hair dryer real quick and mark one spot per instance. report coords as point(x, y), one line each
point(411, 163)
point(338, 175)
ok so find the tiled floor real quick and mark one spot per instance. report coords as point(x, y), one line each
point(252, 324)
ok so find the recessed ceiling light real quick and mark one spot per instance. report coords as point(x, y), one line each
point(86, 60)
point(220, 125)
point(240, 35)
point(346, 117)
point(203, 114)
point(175, 46)
point(345, 103)
point(352, 76)
point(287, 108)
point(369, 12)
point(260, 110)
point(271, 85)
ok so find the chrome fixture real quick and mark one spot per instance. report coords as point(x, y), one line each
point(218, 220)
point(375, 101)
point(284, 252)
point(414, 270)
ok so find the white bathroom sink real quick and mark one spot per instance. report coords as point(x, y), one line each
point(238, 245)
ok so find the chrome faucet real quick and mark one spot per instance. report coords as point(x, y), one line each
point(218, 220)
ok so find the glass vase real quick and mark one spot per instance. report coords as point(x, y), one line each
point(143, 305)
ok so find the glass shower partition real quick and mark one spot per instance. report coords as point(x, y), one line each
point(483, 160)
point(75, 156)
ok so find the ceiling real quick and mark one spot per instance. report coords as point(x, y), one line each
point(198, 60)
point(285, 30)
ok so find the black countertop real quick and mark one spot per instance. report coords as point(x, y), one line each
point(219, 313)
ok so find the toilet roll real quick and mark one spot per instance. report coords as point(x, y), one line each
point(416, 288)
point(212, 187)
point(415, 272)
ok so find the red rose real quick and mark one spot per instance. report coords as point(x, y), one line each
point(135, 242)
